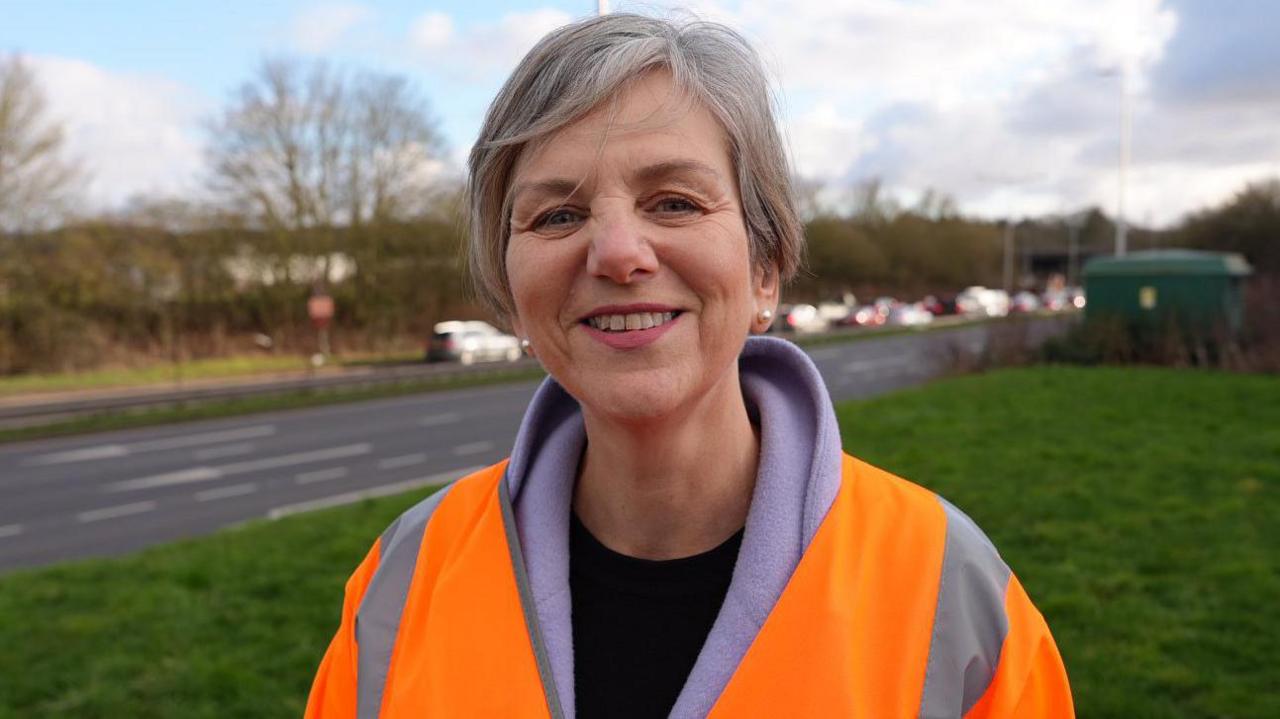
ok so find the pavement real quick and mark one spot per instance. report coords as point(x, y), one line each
point(117, 492)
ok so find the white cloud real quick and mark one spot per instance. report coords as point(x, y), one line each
point(432, 32)
point(487, 50)
point(318, 29)
point(133, 134)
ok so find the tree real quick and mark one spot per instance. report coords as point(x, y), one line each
point(35, 179)
point(1248, 223)
point(305, 146)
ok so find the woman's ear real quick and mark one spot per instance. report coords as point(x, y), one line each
point(765, 289)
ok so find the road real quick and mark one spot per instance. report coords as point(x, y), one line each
point(117, 492)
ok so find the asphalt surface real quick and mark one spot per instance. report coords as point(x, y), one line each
point(117, 492)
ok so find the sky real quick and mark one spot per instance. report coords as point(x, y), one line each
point(1011, 107)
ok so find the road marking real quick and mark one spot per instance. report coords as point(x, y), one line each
point(435, 420)
point(321, 475)
point(866, 366)
point(111, 451)
point(230, 450)
point(463, 450)
point(234, 490)
point(338, 500)
point(122, 510)
point(825, 352)
point(202, 474)
point(407, 460)
point(10, 530)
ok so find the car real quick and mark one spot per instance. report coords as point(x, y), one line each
point(909, 315)
point(982, 302)
point(805, 319)
point(1024, 302)
point(471, 341)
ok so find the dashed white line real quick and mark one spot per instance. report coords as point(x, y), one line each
point(201, 474)
point(866, 365)
point(406, 460)
point(121, 510)
point(463, 450)
point(234, 490)
point(230, 450)
point(110, 451)
point(338, 500)
point(435, 420)
point(320, 475)
point(10, 530)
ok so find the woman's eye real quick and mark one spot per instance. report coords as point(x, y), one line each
point(558, 218)
point(674, 206)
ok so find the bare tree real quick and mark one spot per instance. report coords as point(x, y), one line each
point(35, 179)
point(306, 146)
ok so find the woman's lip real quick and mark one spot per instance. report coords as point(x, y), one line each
point(630, 339)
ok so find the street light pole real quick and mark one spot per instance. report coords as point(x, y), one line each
point(1126, 132)
point(1008, 256)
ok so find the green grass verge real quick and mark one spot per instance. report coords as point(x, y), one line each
point(262, 403)
point(162, 373)
point(1137, 506)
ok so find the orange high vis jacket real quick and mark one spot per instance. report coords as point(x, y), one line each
point(898, 607)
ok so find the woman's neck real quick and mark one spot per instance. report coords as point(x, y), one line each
point(674, 486)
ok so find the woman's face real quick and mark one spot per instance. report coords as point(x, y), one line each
point(628, 258)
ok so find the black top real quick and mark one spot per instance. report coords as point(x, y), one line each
point(639, 624)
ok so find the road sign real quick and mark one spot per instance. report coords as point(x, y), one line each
point(320, 308)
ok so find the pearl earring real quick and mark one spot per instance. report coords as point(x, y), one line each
point(524, 344)
point(766, 316)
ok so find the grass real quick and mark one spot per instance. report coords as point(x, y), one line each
point(1139, 508)
point(164, 373)
point(210, 409)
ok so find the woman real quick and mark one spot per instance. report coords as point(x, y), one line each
point(677, 531)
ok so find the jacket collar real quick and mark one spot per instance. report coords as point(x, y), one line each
point(797, 481)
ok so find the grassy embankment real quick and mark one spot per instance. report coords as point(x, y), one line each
point(1139, 508)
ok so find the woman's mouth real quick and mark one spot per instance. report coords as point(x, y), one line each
point(630, 322)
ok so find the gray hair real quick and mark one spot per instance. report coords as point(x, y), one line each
point(574, 70)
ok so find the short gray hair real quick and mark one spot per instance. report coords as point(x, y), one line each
point(576, 68)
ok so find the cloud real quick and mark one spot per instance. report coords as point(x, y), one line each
point(319, 29)
point(133, 134)
point(479, 51)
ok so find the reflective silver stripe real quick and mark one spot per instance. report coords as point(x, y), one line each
point(969, 625)
point(378, 618)
point(527, 603)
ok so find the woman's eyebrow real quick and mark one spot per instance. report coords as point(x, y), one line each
point(669, 169)
point(554, 187)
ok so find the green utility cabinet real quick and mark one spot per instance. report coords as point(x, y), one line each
point(1203, 291)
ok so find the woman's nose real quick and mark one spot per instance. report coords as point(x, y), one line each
point(620, 250)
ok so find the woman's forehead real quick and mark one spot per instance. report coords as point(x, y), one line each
point(651, 124)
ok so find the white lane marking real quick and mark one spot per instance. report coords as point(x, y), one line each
point(230, 450)
point(825, 352)
point(320, 475)
point(110, 451)
point(10, 530)
point(866, 366)
point(406, 460)
point(121, 510)
point(234, 490)
point(338, 500)
point(201, 474)
point(435, 420)
point(463, 450)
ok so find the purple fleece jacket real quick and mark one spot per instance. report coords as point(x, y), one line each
point(799, 475)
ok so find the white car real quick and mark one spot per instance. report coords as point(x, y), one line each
point(471, 341)
point(983, 302)
point(909, 314)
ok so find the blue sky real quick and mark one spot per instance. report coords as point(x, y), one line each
point(1010, 106)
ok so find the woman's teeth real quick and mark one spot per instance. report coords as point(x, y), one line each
point(636, 321)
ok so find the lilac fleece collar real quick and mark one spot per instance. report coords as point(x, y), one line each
point(799, 475)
